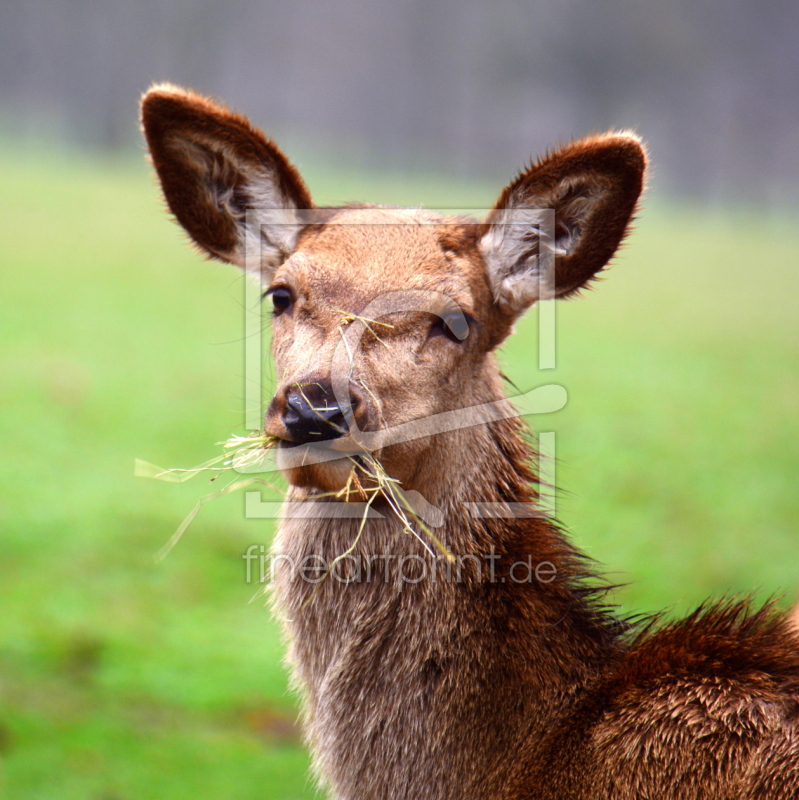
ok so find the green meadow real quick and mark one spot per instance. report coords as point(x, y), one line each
point(122, 678)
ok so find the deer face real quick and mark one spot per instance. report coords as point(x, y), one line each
point(383, 317)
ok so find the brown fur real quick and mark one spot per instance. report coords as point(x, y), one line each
point(477, 687)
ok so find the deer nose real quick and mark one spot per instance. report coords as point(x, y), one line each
point(313, 415)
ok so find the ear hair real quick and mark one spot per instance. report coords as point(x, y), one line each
point(231, 188)
point(560, 221)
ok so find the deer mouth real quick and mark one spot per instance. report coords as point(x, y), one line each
point(324, 466)
point(319, 451)
point(324, 447)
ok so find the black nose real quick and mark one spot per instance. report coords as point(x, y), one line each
point(312, 414)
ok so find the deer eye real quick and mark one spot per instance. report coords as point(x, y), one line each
point(453, 324)
point(282, 298)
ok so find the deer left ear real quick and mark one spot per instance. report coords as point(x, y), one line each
point(592, 186)
point(230, 187)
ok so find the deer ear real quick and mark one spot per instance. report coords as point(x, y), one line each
point(557, 224)
point(232, 189)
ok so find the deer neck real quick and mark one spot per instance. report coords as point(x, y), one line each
point(421, 683)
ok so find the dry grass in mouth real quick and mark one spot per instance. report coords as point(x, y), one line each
point(241, 454)
point(367, 480)
point(379, 484)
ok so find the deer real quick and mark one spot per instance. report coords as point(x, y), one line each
point(484, 686)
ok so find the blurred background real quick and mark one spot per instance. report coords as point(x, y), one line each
point(678, 452)
point(459, 85)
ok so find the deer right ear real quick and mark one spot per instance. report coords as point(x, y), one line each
point(592, 186)
point(234, 192)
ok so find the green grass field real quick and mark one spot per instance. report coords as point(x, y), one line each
point(122, 678)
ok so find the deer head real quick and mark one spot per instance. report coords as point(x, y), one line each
point(383, 316)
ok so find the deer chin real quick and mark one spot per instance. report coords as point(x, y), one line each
point(301, 466)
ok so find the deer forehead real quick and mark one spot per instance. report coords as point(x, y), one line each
point(362, 254)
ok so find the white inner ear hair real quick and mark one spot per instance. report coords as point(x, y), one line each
point(271, 225)
point(519, 255)
point(268, 223)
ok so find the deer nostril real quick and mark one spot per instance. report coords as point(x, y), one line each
point(313, 416)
